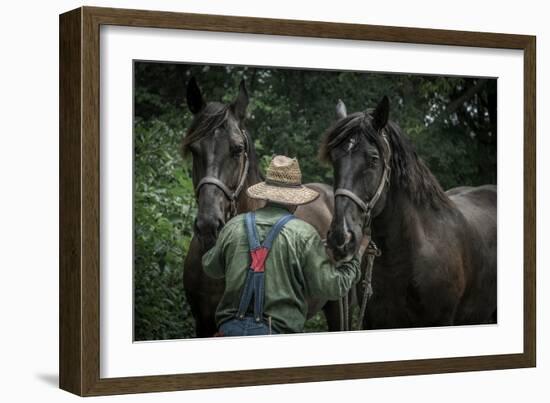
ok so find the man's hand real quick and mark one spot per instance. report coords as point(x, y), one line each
point(329, 252)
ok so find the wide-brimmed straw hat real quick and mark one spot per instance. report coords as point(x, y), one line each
point(283, 184)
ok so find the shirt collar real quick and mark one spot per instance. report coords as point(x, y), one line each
point(275, 208)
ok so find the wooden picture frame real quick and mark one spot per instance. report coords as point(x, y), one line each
point(80, 184)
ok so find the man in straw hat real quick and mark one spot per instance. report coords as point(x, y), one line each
point(267, 283)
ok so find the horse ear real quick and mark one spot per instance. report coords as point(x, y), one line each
point(195, 102)
point(341, 110)
point(240, 103)
point(381, 113)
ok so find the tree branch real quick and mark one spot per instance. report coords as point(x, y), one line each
point(466, 95)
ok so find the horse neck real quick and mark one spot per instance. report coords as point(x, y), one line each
point(245, 203)
point(397, 225)
point(404, 216)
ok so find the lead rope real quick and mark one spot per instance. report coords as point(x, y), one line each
point(343, 303)
point(341, 308)
point(372, 253)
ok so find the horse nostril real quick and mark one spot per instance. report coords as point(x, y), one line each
point(203, 226)
point(348, 237)
point(220, 226)
point(340, 239)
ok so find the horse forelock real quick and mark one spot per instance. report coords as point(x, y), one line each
point(339, 132)
point(408, 172)
point(205, 122)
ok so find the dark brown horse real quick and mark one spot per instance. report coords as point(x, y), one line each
point(438, 263)
point(224, 165)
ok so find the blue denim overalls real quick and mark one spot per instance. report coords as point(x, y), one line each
point(244, 324)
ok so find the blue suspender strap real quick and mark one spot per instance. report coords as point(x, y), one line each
point(259, 278)
point(251, 232)
point(254, 283)
point(246, 296)
point(253, 243)
point(274, 231)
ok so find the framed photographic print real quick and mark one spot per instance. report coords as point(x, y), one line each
point(339, 201)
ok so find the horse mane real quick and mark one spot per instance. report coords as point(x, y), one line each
point(408, 170)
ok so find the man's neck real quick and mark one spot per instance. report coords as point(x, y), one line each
point(281, 206)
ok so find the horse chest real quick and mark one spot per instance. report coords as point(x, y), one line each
point(389, 279)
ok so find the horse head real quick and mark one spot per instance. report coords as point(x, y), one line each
point(360, 154)
point(219, 145)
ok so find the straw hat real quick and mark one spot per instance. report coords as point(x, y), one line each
point(283, 183)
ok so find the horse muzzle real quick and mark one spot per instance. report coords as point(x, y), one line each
point(342, 243)
point(207, 230)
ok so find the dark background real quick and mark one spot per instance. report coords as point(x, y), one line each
point(451, 121)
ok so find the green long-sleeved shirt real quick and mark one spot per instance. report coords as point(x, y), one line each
point(297, 268)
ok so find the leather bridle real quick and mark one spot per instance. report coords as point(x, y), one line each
point(231, 195)
point(368, 206)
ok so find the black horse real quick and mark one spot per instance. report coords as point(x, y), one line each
point(224, 165)
point(439, 249)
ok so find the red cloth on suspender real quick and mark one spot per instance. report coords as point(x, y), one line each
point(258, 257)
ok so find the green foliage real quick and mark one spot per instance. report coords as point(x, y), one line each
point(164, 211)
point(317, 323)
point(451, 121)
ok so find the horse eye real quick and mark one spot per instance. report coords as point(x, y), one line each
point(373, 161)
point(237, 150)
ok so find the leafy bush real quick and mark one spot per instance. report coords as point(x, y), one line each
point(164, 211)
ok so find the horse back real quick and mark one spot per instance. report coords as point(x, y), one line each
point(478, 206)
point(319, 212)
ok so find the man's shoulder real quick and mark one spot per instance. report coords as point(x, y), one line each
point(298, 227)
point(232, 227)
point(235, 221)
point(304, 229)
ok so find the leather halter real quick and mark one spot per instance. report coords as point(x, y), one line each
point(231, 195)
point(368, 206)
